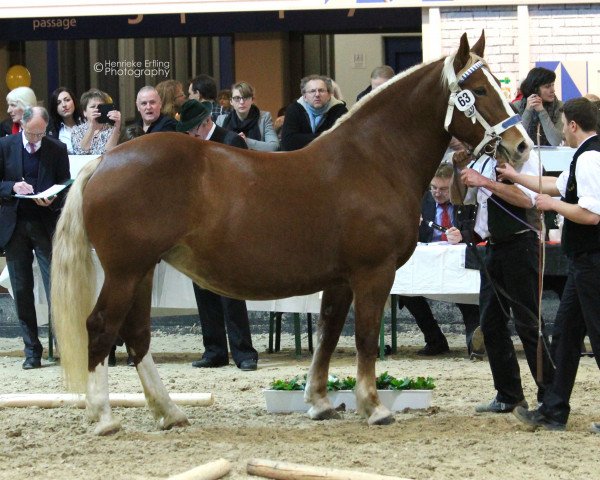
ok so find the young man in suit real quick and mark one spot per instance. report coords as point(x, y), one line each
point(216, 311)
point(436, 207)
point(30, 162)
point(579, 310)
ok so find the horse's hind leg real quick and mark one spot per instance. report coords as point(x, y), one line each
point(370, 294)
point(103, 324)
point(334, 309)
point(136, 333)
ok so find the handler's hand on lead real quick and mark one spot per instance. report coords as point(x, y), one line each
point(472, 178)
point(22, 188)
point(544, 202)
point(453, 235)
point(506, 172)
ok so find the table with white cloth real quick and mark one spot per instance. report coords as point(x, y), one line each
point(435, 270)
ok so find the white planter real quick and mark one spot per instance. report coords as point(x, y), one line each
point(280, 401)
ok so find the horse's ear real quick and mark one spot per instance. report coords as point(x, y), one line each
point(479, 47)
point(462, 56)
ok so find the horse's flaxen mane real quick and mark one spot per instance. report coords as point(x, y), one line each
point(370, 95)
point(447, 75)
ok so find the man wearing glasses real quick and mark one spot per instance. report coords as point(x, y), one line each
point(30, 163)
point(436, 207)
point(313, 113)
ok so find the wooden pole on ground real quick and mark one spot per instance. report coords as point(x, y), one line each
point(209, 471)
point(295, 471)
point(54, 400)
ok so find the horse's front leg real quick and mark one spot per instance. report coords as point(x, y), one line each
point(162, 407)
point(370, 294)
point(97, 401)
point(334, 309)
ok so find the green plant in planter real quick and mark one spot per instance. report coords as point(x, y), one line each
point(384, 381)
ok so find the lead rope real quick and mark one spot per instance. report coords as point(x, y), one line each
point(541, 265)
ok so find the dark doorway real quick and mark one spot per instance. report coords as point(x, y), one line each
point(403, 52)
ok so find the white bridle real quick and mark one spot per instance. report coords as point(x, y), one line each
point(464, 100)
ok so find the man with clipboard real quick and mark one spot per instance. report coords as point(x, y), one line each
point(30, 162)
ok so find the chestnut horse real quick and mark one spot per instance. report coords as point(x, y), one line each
point(340, 215)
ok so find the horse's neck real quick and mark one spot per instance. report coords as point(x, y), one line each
point(408, 120)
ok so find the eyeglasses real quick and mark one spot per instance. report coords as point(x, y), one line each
point(239, 99)
point(439, 189)
point(35, 135)
point(314, 91)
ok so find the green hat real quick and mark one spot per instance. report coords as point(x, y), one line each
point(193, 113)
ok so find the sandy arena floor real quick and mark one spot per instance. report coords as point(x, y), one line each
point(448, 442)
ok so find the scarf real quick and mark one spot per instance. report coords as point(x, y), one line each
point(316, 115)
point(249, 126)
point(16, 127)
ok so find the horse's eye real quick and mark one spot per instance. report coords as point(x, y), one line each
point(480, 92)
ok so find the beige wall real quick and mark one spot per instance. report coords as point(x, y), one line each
point(259, 59)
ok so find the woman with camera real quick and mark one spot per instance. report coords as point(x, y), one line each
point(540, 108)
point(101, 129)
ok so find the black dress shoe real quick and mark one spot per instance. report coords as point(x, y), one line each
point(535, 419)
point(31, 363)
point(130, 361)
point(432, 349)
point(112, 356)
point(208, 363)
point(248, 365)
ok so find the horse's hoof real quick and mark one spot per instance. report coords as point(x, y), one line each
point(107, 428)
point(381, 416)
point(327, 414)
point(173, 421)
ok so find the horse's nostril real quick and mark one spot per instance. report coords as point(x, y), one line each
point(522, 147)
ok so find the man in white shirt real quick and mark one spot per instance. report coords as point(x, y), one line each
point(511, 266)
point(579, 310)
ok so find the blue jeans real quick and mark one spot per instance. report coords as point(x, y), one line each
point(29, 236)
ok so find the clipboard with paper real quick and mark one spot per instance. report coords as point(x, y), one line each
point(50, 192)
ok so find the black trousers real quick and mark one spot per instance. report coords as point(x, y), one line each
point(217, 312)
point(420, 309)
point(28, 237)
point(578, 313)
point(512, 265)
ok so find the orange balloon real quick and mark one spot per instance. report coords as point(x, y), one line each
point(18, 76)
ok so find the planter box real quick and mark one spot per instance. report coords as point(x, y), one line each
point(280, 401)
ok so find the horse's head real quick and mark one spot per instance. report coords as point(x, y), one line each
point(478, 113)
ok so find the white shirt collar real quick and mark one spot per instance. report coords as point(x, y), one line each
point(37, 144)
point(211, 131)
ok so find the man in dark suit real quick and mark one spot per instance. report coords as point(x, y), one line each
point(30, 162)
point(217, 311)
point(436, 207)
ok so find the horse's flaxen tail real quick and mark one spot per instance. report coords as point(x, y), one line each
point(73, 284)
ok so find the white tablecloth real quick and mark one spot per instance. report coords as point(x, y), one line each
point(435, 271)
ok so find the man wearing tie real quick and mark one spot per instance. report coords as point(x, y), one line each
point(436, 207)
point(30, 162)
point(217, 311)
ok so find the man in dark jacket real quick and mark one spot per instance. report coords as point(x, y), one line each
point(217, 311)
point(436, 207)
point(30, 163)
point(148, 103)
point(313, 113)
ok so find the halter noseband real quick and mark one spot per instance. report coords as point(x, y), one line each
point(464, 100)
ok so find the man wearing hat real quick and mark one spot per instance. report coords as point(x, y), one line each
point(216, 311)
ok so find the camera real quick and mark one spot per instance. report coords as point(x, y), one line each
point(104, 108)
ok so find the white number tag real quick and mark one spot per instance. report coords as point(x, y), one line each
point(464, 100)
